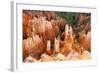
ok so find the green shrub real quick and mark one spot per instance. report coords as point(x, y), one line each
point(70, 17)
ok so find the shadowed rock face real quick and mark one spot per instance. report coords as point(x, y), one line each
point(38, 18)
